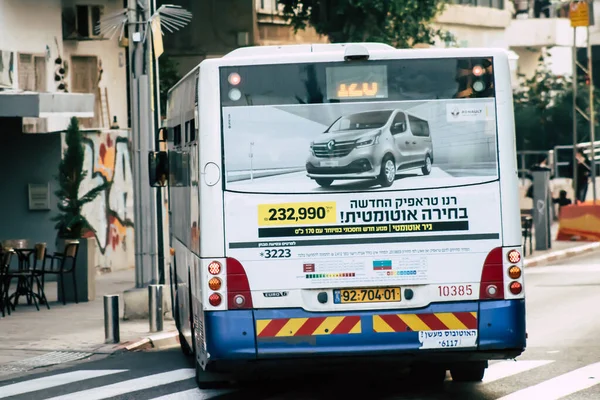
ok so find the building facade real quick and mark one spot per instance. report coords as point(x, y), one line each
point(55, 65)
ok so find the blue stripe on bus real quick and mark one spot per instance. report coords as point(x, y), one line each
point(231, 335)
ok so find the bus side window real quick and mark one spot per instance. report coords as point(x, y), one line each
point(192, 123)
point(177, 135)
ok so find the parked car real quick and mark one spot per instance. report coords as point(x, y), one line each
point(371, 145)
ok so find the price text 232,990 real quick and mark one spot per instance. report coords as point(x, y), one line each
point(296, 213)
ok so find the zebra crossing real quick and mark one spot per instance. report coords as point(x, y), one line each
point(179, 384)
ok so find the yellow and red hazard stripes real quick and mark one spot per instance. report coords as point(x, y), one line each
point(424, 322)
point(285, 327)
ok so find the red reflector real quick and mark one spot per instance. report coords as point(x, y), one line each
point(214, 299)
point(238, 286)
point(492, 276)
point(214, 267)
point(516, 288)
point(514, 256)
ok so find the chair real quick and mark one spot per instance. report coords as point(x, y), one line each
point(60, 268)
point(5, 259)
point(35, 272)
point(24, 279)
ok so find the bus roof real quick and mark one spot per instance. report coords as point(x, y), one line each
point(254, 51)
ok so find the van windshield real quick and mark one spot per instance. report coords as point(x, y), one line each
point(366, 120)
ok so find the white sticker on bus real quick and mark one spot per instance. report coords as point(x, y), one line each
point(448, 339)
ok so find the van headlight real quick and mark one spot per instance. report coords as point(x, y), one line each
point(368, 141)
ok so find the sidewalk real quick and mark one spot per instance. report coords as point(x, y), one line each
point(558, 251)
point(72, 327)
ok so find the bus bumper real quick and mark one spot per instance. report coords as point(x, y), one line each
point(453, 331)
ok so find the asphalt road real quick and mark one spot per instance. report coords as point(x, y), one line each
point(562, 360)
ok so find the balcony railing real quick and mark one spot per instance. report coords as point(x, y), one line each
point(527, 9)
point(481, 3)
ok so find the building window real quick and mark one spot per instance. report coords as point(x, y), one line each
point(32, 72)
point(81, 21)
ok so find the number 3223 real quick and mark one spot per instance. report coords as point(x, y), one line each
point(277, 253)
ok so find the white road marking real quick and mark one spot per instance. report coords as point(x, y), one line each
point(132, 385)
point(505, 369)
point(562, 385)
point(53, 381)
point(192, 394)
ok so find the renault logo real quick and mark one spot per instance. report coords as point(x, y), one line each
point(330, 145)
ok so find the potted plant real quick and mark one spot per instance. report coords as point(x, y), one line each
point(70, 223)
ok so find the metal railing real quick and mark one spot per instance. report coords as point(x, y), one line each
point(563, 156)
point(558, 159)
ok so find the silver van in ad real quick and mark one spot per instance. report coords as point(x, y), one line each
point(371, 145)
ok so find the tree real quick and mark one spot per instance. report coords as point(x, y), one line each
point(399, 23)
point(544, 109)
point(70, 224)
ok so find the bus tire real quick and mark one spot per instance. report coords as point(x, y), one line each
point(386, 178)
point(426, 169)
point(324, 182)
point(469, 372)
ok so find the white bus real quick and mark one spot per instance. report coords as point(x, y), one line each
point(404, 256)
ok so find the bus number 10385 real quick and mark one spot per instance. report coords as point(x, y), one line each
point(455, 290)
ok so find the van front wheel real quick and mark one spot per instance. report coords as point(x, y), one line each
point(388, 171)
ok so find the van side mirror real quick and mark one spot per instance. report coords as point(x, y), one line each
point(158, 168)
point(398, 127)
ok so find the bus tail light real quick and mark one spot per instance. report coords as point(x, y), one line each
point(214, 299)
point(514, 272)
point(238, 287)
point(214, 283)
point(513, 256)
point(492, 280)
point(214, 268)
point(515, 288)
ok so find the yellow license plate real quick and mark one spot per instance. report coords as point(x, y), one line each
point(366, 295)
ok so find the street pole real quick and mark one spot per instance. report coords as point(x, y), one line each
point(142, 129)
point(159, 192)
point(574, 113)
point(592, 115)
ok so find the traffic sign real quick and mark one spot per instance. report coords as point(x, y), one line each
point(581, 13)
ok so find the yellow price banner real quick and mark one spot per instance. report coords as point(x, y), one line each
point(297, 213)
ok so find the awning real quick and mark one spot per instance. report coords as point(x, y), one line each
point(44, 105)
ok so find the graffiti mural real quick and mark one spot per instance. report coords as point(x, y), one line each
point(107, 159)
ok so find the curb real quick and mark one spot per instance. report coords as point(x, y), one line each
point(560, 255)
point(160, 340)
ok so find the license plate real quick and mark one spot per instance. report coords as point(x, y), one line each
point(366, 295)
point(330, 163)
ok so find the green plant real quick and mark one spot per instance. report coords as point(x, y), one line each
point(399, 23)
point(543, 107)
point(70, 223)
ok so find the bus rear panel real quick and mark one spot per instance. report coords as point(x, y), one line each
point(365, 211)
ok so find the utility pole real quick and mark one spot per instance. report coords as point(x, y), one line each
point(581, 13)
point(142, 129)
point(142, 40)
